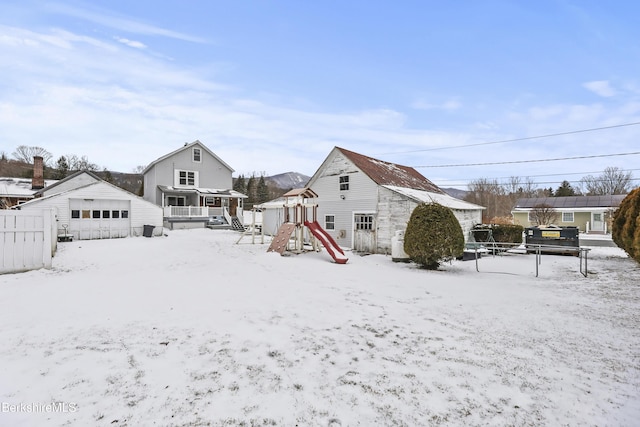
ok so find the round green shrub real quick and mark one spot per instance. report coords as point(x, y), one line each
point(433, 235)
point(625, 229)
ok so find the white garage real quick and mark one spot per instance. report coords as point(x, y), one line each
point(100, 210)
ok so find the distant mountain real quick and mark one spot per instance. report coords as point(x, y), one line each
point(289, 180)
point(454, 192)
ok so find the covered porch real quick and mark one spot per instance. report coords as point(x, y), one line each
point(194, 207)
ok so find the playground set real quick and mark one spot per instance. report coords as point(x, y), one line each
point(300, 225)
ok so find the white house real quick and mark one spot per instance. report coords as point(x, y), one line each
point(363, 201)
point(96, 209)
point(193, 185)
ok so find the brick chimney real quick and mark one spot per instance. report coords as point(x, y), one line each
point(37, 182)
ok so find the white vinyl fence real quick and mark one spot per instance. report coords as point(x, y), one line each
point(27, 240)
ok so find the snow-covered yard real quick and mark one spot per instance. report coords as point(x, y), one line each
point(192, 329)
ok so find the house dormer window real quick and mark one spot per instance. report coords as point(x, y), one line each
point(186, 178)
point(197, 155)
point(344, 182)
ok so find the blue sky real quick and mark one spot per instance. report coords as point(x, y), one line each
point(273, 86)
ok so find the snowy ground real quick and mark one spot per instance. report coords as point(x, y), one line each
point(192, 329)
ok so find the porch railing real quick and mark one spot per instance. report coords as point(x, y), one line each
point(186, 211)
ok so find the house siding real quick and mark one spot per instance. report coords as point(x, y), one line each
point(212, 173)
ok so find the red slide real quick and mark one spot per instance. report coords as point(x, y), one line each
point(330, 245)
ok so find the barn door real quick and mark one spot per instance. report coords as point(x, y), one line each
point(364, 233)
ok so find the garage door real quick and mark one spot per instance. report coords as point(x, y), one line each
point(99, 219)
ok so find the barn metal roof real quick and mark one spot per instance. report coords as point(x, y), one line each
point(609, 201)
point(385, 173)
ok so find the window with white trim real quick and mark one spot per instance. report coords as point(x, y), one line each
point(567, 216)
point(197, 155)
point(184, 178)
point(363, 221)
point(329, 222)
point(344, 182)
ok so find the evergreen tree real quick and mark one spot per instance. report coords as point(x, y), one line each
point(565, 190)
point(62, 168)
point(262, 191)
point(433, 235)
point(626, 225)
point(240, 185)
point(251, 191)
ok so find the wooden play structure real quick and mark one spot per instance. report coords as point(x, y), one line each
point(300, 222)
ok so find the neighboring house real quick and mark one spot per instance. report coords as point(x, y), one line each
point(14, 191)
point(71, 182)
point(94, 209)
point(591, 214)
point(363, 201)
point(193, 185)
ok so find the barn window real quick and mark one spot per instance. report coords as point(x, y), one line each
point(567, 216)
point(363, 221)
point(329, 222)
point(115, 214)
point(125, 214)
point(106, 214)
point(86, 213)
point(95, 214)
point(344, 182)
point(75, 214)
point(197, 155)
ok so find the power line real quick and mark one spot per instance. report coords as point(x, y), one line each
point(515, 139)
point(529, 161)
point(538, 176)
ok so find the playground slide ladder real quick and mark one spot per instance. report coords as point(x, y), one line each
point(281, 240)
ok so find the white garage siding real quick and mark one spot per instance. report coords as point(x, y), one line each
point(99, 218)
point(99, 201)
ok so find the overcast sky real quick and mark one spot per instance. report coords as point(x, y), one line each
point(273, 86)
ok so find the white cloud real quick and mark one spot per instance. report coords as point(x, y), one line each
point(131, 43)
point(601, 87)
point(108, 19)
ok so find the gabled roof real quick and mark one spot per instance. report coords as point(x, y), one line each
point(443, 199)
point(572, 202)
point(100, 181)
point(385, 173)
point(20, 187)
point(68, 178)
point(186, 147)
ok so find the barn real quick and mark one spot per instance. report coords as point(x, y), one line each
point(96, 209)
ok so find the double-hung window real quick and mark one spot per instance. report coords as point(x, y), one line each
point(197, 155)
point(329, 222)
point(344, 182)
point(186, 178)
point(567, 216)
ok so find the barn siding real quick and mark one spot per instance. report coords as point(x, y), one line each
point(361, 196)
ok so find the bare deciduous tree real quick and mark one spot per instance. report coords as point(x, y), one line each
point(25, 153)
point(612, 181)
point(543, 215)
point(80, 163)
